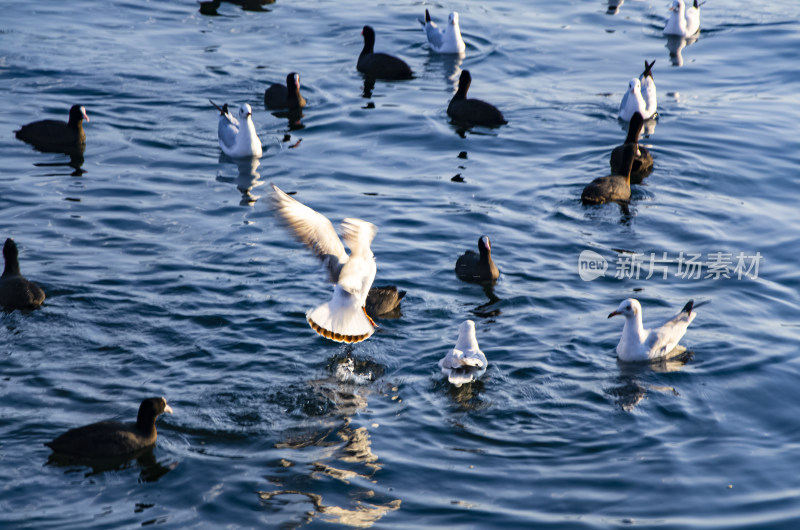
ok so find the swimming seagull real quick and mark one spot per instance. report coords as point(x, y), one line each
point(465, 362)
point(682, 21)
point(640, 96)
point(237, 140)
point(343, 318)
point(639, 344)
point(447, 40)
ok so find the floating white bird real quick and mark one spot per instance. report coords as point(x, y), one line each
point(640, 96)
point(682, 21)
point(639, 344)
point(447, 40)
point(237, 140)
point(465, 362)
point(343, 318)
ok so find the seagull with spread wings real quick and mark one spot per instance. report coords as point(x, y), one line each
point(343, 318)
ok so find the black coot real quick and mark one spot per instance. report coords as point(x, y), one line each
point(642, 160)
point(57, 135)
point(16, 292)
point(380, 65)
point(478, 267)
point(287, 96)
point(109, 439)
point(383, 300)
point(472, 111)
point(612, 188)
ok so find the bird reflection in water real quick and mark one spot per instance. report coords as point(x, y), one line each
point(369, 86)
point(247, 177)
point(150, 470)
point(75, 162)
point(613, 6)
point(252, 5)
point(675, 45)
point(467, 396)
point(448, 65)
point(337, 451)
point(630, 390)
point(294, 117)
point(492, 307)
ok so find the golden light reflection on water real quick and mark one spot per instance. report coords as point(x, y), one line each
point(363, 516)
point(342, 453)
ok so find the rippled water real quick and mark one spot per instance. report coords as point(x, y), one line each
point(166, 273)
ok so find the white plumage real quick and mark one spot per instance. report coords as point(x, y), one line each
point(640, 344)
point(343, 318)
point(465, 362)
point(237, 138)
point(640, 96)
point(447, 39)
point(683, 21)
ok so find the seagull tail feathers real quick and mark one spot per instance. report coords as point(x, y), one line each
point(341, 323)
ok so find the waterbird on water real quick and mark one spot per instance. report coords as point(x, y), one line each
point(642, 160)
point(472, 111)
point(615, 187)
point(279, 96)
point(383, 301)
point(478, 267)
point(465, 362)
point(343, 318)
point(683, 21)
point(108, 439)
point(17, 292)
point(640, 344)
point(640, 96)
point(56, 135)
point(380, 65)
point(237, 138)
point(447, 39)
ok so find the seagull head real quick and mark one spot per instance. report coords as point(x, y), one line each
point(628, 308)
point(635, 85)
point(245, 111)
point(466, 328)
point(453, 18)
point(677, 6)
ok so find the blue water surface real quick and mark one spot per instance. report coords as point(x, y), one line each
point(166, 272)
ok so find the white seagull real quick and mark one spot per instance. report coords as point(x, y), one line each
point(639, 344)
point(343, 318)
point(447, 40)
point(682, 21)
point(640, 96)
point(465, 362)
point(237, 140)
